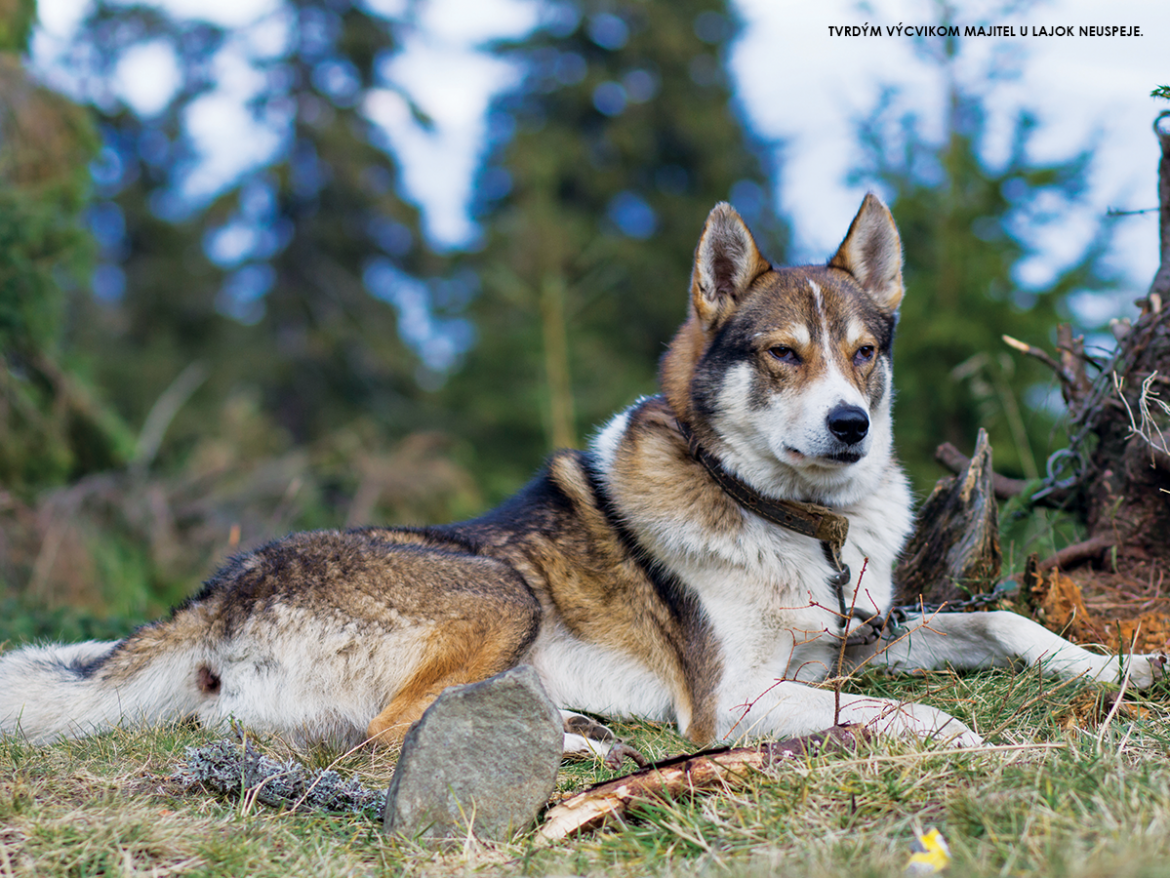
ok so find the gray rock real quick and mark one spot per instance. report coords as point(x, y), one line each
point(483, 757)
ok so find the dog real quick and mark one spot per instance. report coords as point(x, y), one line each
point(719, 551)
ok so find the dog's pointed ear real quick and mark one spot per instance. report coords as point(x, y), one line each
point(726, 262)
point(872, 253)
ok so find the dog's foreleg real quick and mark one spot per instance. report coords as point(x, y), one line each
point(791, 709)
point(969, 641)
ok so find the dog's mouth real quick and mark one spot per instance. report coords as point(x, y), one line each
point(837, 457)
point(845, 456)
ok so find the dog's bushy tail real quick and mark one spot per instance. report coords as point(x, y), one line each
point(54, 691)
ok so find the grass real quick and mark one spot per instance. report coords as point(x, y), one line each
point(1075, 798)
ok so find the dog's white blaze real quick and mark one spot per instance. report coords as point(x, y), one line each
point(816, 291)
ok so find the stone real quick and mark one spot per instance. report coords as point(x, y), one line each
point(482, 759)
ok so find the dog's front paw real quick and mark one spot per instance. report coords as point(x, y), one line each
point(1148, 670)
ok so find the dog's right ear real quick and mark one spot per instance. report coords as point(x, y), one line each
point(726, 262)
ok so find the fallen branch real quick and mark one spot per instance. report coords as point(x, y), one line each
point(1078, 553)
point(1004, 487)
point(1032, 351)
point(599, 804)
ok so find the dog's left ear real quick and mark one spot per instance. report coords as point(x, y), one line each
point(872, 253)
point(727, 260)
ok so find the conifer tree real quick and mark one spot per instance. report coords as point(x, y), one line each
point(51, 425)
point(305, 277)
point(967, 225)
point(603, 163)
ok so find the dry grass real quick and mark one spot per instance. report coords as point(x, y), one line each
point(1076, 793)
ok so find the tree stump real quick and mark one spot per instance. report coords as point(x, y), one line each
point(954, 550)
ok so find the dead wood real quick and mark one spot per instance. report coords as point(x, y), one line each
point(956, 461)
point(1068, 607)
point(1115, 473)
point(1161, 284)
point(670, 778)
point(1078, 553)
point(954, 550)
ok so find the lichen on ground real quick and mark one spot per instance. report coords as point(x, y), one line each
point(239, 770)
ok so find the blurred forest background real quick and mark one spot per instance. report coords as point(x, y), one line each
point(180, 379)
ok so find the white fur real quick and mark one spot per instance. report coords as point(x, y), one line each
point(1004, 639)
point(324, 677)
point(777, 449)
point(299, 675)
point(816, 291)
point(63, 704)
point(590, 677)
point(607, 440)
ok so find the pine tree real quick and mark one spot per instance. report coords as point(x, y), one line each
point(966, 226)
point(306, 279)
point(602, 166)
point(51, 426)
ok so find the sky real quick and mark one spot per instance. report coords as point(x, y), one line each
point(799, 83)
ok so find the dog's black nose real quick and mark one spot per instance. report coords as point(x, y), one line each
point(849, 423)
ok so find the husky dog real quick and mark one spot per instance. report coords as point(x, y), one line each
point(699, 564)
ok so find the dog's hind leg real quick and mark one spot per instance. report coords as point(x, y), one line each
point(1001, 639)
point(587, 738)
point(458, 651)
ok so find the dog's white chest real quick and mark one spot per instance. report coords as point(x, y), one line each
point(770, 604)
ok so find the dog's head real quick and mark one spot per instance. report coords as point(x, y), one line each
point(786, 373)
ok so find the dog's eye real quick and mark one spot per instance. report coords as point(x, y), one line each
point(864, 355)
point(785, 354)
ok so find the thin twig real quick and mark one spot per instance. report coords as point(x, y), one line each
point(1024, 348)
point(839, 679)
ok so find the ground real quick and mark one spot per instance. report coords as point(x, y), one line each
point(1066, 786)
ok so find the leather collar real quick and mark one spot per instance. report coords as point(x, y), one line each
point(809, 519)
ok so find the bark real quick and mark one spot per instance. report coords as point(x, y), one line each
point(954, 550)
point(1161, 284)
point(609, 801)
